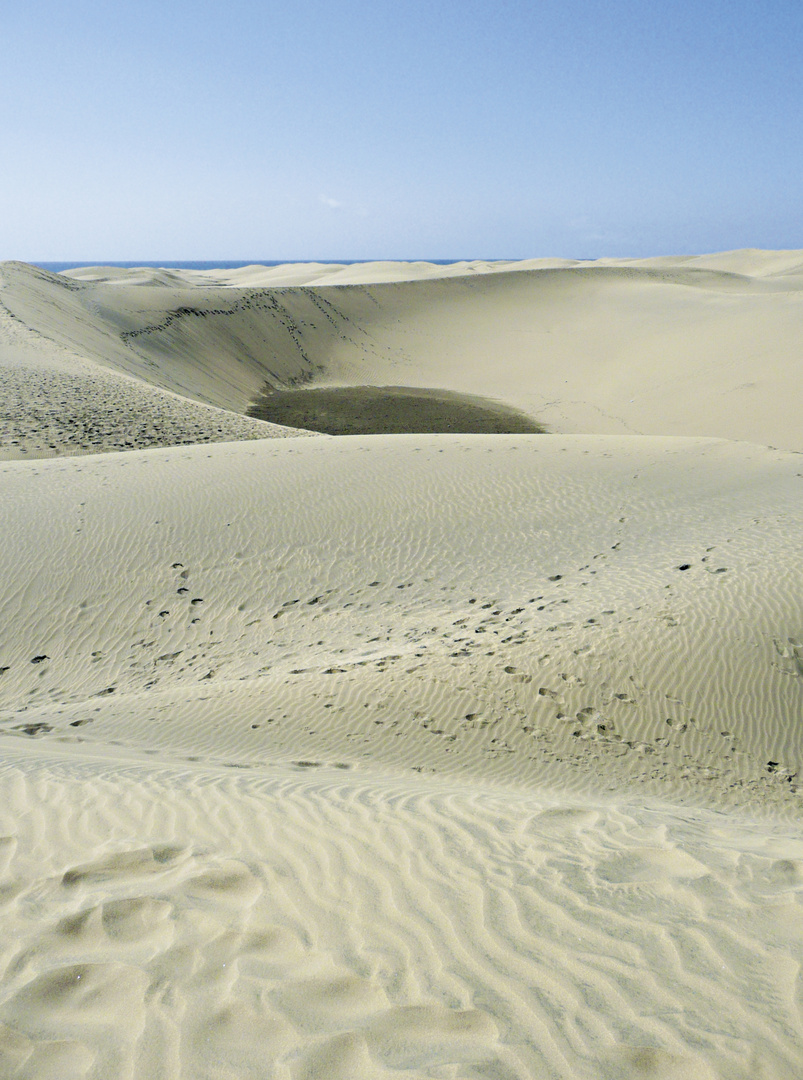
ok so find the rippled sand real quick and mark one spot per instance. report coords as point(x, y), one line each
point(422, 755)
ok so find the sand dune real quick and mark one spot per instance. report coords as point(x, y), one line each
point(634, 599)
point(61, 396)
point(696, 347)
point(416, 755)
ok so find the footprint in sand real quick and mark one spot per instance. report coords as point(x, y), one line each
point(142, 862)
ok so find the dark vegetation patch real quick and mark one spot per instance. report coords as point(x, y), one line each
point(389, 410)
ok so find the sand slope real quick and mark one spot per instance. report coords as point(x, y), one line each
point(706, 346)
point(193, 923)
point(444, 756)
point(355, 583)
point(60, 396)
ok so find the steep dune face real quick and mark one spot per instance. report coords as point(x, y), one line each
point(671, 347)
point(69, 386)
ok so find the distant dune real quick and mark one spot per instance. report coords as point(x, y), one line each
point(460, 752)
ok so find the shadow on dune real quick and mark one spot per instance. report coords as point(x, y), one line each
point(389, 410)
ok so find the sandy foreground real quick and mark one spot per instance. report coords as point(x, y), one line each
point(466, 756)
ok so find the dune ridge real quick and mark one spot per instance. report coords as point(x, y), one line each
point(460, 756)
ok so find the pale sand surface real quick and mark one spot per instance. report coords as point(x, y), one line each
point(399, 756)
point(706, 346)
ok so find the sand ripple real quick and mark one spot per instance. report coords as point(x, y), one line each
point(326, 925)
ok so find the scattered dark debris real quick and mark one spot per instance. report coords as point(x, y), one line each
point(34, 729)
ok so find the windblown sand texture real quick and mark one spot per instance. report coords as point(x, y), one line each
point(379, 757)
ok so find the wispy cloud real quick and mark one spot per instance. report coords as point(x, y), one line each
point(587, 229)
point(333, 204)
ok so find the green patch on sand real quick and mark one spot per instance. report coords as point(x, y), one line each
point(389, 410)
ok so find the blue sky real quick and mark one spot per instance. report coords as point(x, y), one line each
point(349, 129)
